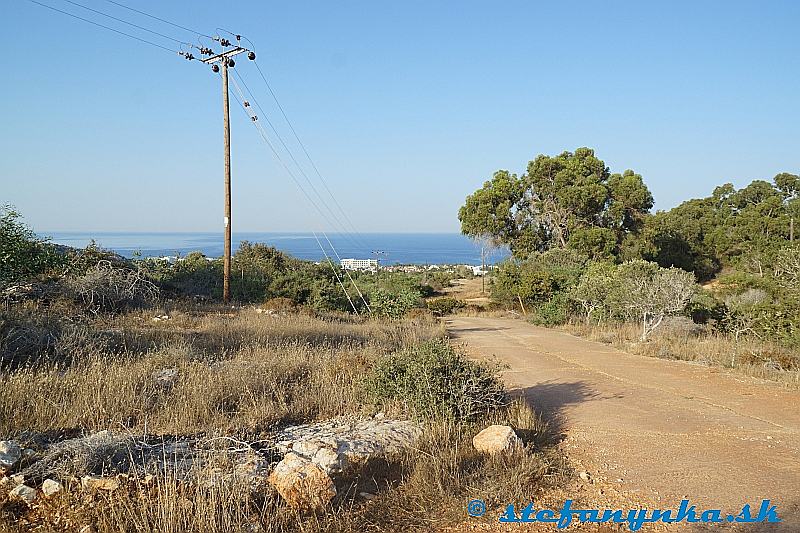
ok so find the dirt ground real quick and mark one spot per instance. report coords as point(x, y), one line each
point(650, 431)
point(469, 290)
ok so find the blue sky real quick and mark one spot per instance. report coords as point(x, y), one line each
point(406, 107)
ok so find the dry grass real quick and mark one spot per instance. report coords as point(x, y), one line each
point(240, 373)
point(749, 356)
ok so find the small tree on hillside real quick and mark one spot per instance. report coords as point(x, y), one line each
point(787, 270)
point(647, 293)
point(594, 287)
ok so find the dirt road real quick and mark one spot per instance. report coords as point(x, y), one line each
point(661, 430)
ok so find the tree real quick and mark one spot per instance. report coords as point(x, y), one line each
point(787, 270)
point(789, 186)
point(23, 255)
point(491, 210)
point(594, 287)
point(647, 293)
point(487, 243)
point(568, 200)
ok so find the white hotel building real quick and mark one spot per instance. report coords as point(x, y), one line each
point(370, 265)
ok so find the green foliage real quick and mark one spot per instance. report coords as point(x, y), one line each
point(593, 290)
point(539, 278)
point(444, 306)
point(386, 304)
point(554, 312)
point(568, 200)
point(434, 381)
point(23, 255)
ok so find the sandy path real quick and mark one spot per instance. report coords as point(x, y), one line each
point(668, 430)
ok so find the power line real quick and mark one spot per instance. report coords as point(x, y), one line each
point(159, 19)
point(151, 43)
point(341, 226)
point(303, 146)
point(126, 22)
point(254, 118)
point(341, 284)
point(297, 137)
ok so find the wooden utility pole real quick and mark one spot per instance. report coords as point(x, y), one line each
point(226, 265)
point(223, 62)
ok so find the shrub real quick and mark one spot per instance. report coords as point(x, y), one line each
point(434, 381)
point(554, 312)
point(108, 288)
point(22, 254)
point(444, 306)
point(386, 304)
point(281, 304)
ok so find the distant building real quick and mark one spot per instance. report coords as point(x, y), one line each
point(477, 270)
point(369, 265)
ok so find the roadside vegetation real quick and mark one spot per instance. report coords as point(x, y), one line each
point(714, 280)
point(130, 373)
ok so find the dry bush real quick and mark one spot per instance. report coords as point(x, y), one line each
point(109, 288)
point(281, 304)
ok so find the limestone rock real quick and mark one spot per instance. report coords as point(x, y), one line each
point(99, 483)
point(10, 454)
point(496, 439)
point(51, 487)
point(23, 493)
point(302, 483)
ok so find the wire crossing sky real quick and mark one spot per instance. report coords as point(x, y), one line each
point(405, 108)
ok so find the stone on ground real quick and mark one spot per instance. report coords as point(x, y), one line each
point(23, 493)
point(10, 454)
point(302, 483)
point(51, 487)
point(99, 483)
point(496, 439)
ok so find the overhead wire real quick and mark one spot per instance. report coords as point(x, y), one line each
point(295, 134)
point(335, 273)
point(341, 226)
point(240, 98)
point(253, 118)
point(151, 43)
point(146, 14)
point(112, 17)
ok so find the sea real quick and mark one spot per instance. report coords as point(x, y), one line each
point(389, 248)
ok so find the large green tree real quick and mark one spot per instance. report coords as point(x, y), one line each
point(569, 200)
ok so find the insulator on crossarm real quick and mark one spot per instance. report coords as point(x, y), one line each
point(251, 56)
point(246, 103)
point(224, 42)
point(254, 117)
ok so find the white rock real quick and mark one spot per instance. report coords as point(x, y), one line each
point(302, 483)
point(51, 487)
point(496, 439)
point(99, 483)
point(23, 493)
point(10, 454)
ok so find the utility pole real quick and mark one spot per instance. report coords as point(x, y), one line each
point(226, 120)
point(224, 61)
